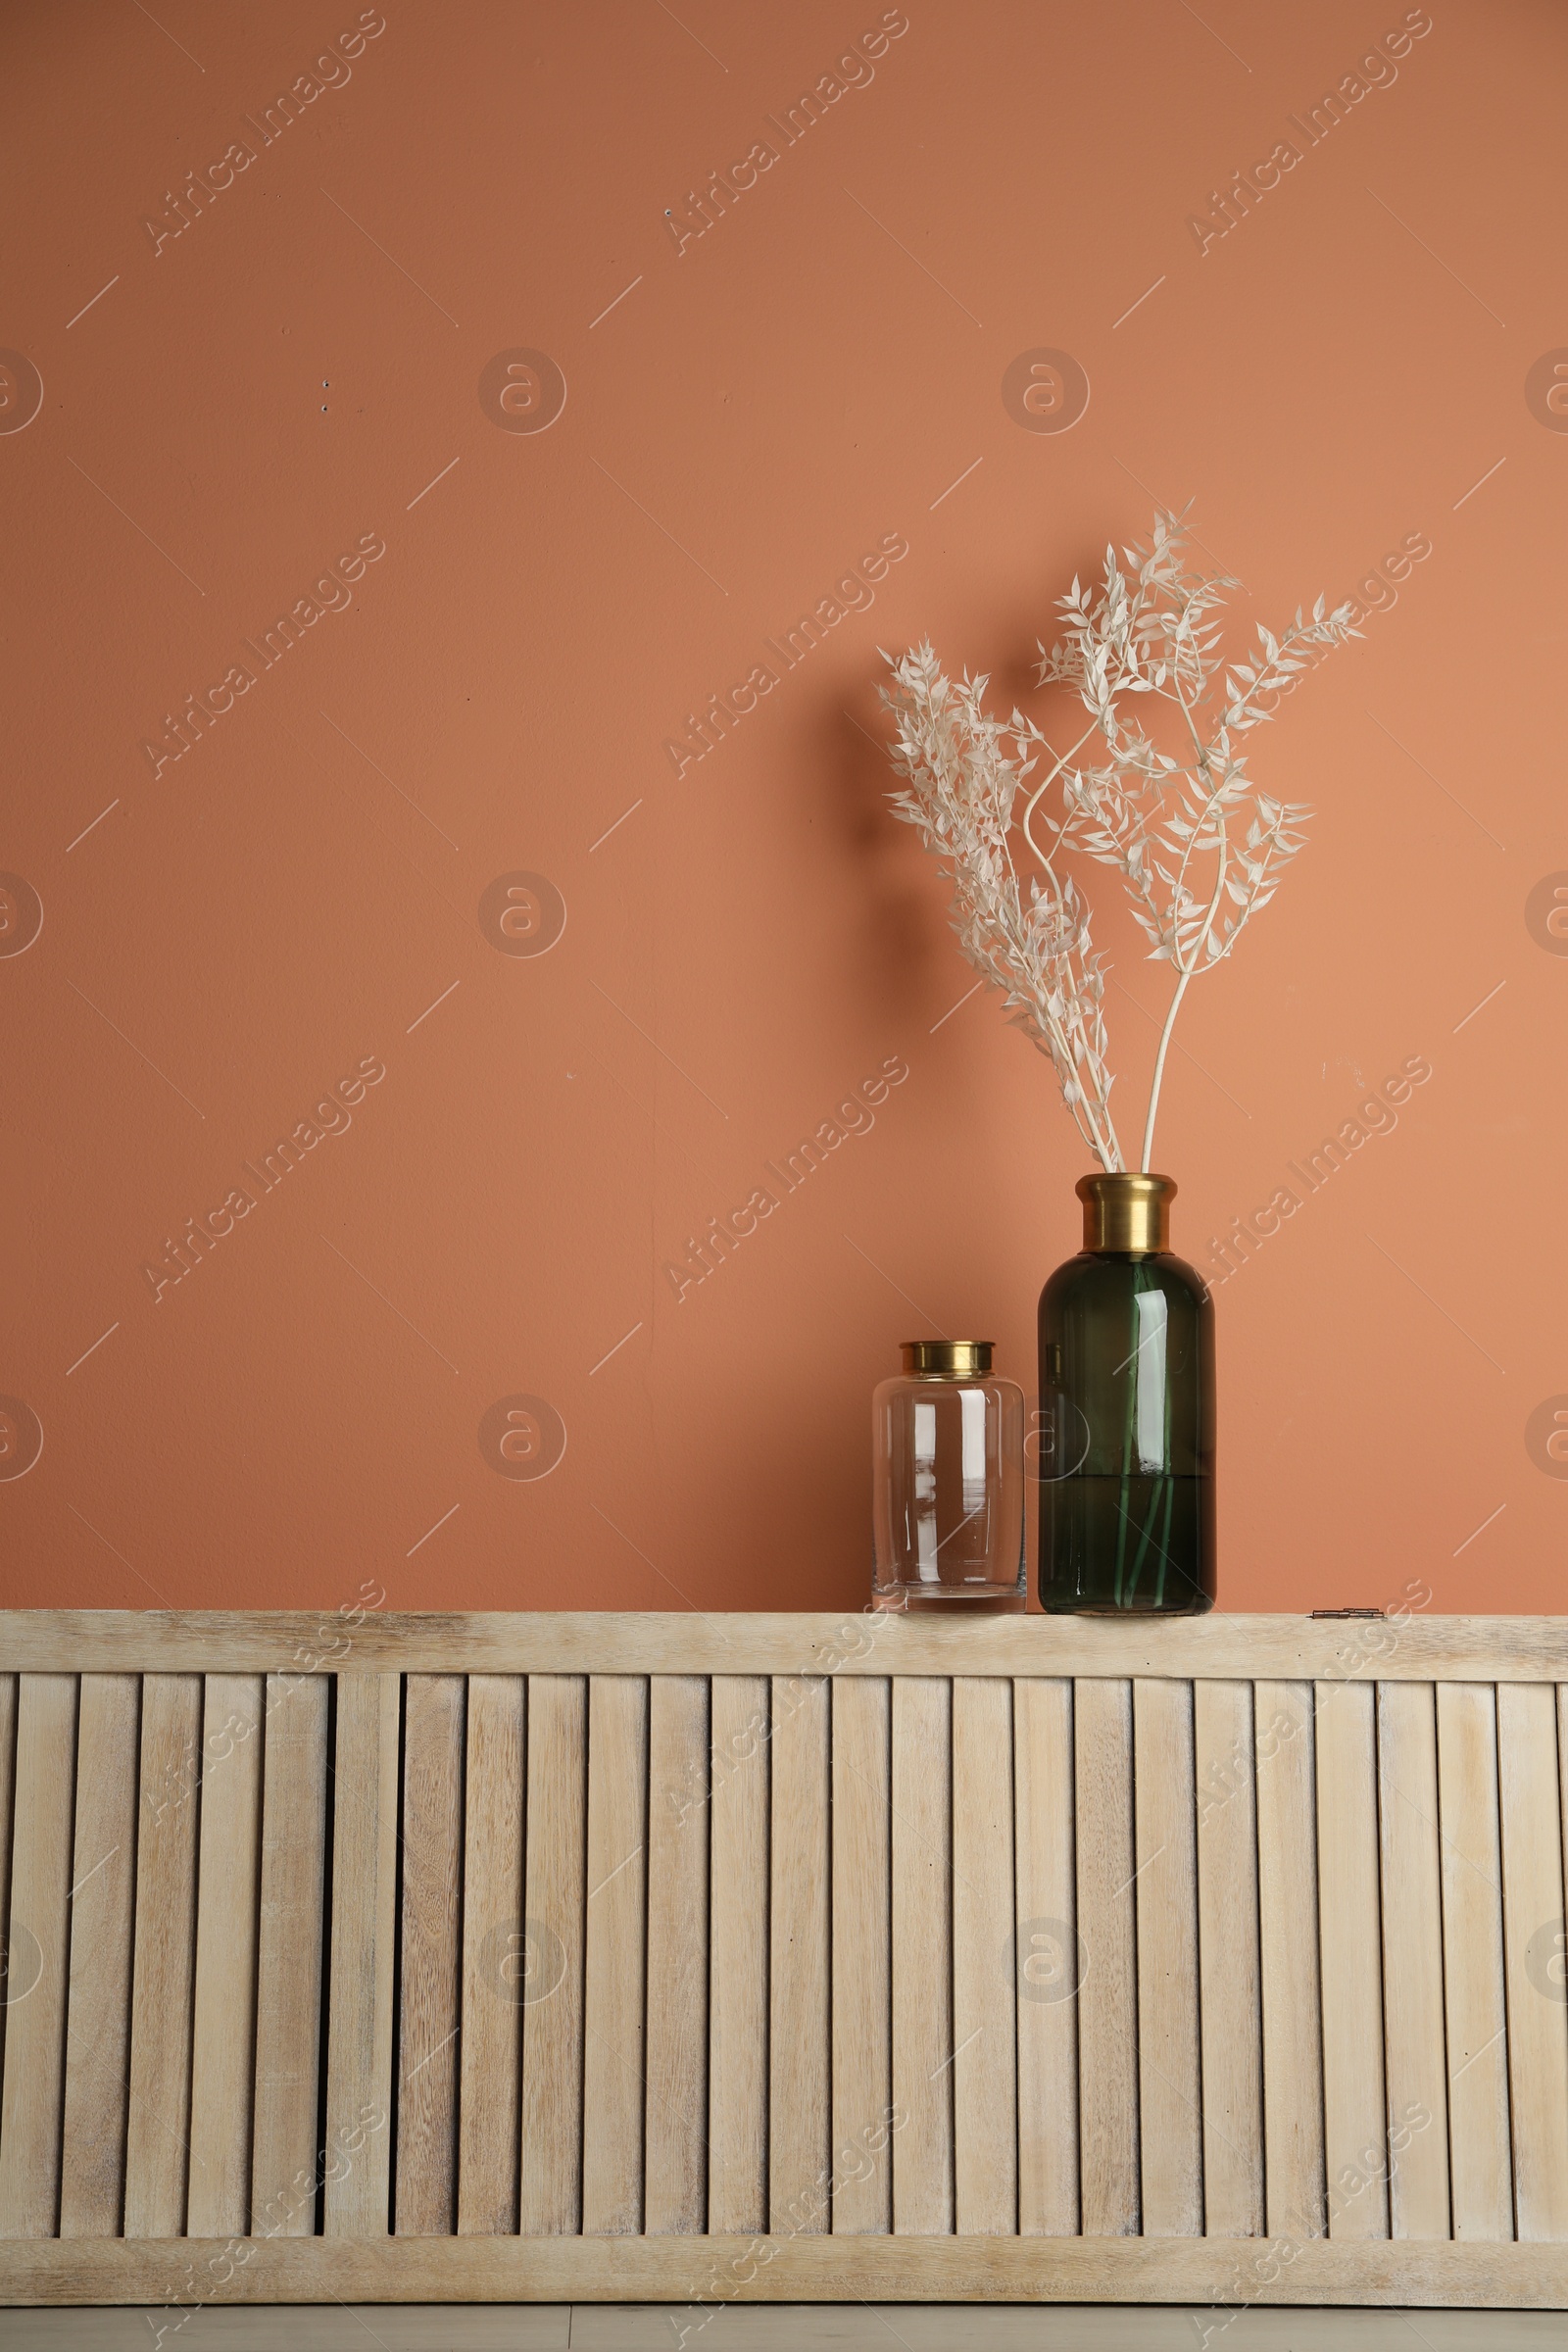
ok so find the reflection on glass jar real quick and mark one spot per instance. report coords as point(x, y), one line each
point(947, 1453)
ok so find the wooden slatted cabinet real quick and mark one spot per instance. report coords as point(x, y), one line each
point(691, 1958)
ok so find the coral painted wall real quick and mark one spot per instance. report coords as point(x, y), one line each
point(399, 452)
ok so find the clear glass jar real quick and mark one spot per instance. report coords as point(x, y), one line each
point(948, 1489)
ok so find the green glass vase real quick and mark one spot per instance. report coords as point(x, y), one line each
point(1126, 1465)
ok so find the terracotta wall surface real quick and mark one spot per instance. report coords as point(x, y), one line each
point(435, 357)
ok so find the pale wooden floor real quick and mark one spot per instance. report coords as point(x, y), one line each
point(779, 2328)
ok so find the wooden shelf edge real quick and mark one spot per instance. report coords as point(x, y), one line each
point(188, 2271)
point(1415, 1648)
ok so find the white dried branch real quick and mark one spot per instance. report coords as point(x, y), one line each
point(1199, 846)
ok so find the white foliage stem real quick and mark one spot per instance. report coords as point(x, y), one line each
point(1147, 1160)
point(1180, 991)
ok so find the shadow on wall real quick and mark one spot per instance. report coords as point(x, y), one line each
point(897, 945)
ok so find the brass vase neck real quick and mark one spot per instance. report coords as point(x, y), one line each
point(1129, 1214)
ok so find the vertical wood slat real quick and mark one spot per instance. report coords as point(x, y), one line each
point(1355, 2145)
point(1170, 2114)
point(1047, 1957)
point(1552, 1955)
point(31, 2103)
point(922, 1955)
point(1108, 2001)
point(103, 1877)
point(676, 2187)
point(985, 2064)
point(361, 2028)
point(1478, 2156)
point(164, 1962)
point(550, 2172)
point(800, 2042)
point(494, 1956)
point(285, 2172)
point(614, 1989)
point(1413, 1958)
point(7, 1771)
point(223, 2030)
point(1230, 1983)
point(739, 1810)
point(863, 1960)
point(1533, 1917)
point(1287, 1939)
point(433, 1737)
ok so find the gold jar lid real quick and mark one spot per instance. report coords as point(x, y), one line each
point(947, 1359)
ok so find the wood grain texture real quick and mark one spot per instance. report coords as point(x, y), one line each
point(675, 2124)
point(494, 1955)
point(1533, 1923)
point(1195, 2272)
point(1552, 1962)
point(922, 1956)
point(290, 1955)
point(1412, 1956)
point(164, 1963)
point(1045, 1956)
point(1405, 1793)
point(358, 2193)
point(1479, 2153)
point(38, 1944)
point(1355, 2144)
point(227, 1923)
point(550, 2172)
point(862, 1956)
point(749, 1642)
point(103, 1908)
point(7, 1791)
point(1108, 2000)
point(800, 2042)
point(434, 1734)
point(985, 2001)
point(1288, 1943)
point(616, 1986)
point(1229, 1963)
point(1170, 2112)
point(739, 1810)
